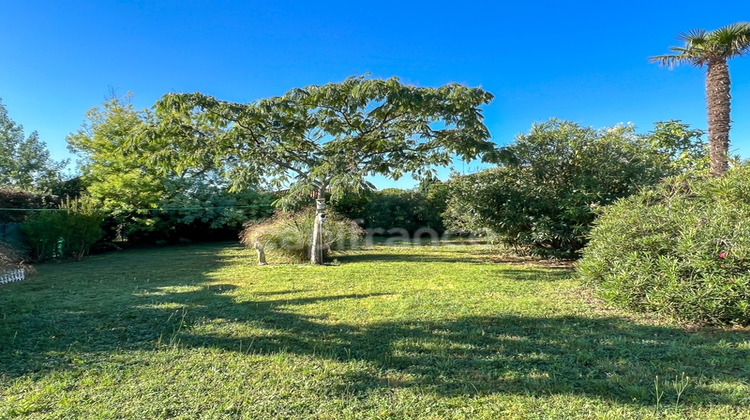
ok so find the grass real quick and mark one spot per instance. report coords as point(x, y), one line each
point(391, 332)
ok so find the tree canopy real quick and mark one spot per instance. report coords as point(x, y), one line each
point(25, 162)
point(320, 137)
point(116, 179)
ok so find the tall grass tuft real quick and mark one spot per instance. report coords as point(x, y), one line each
point(290, 234)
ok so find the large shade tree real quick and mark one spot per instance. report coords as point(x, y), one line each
point(115, 179)
point(713, 49)
point(321, 138)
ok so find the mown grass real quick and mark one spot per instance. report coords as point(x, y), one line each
point(405, 332)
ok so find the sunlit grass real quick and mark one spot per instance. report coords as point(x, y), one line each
point(408, 332)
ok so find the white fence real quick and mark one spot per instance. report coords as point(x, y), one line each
point(8, 276)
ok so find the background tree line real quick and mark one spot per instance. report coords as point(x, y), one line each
point(541, 197)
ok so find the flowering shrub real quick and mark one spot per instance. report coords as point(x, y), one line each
point(680, 250)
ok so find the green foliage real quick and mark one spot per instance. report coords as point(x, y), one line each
point(681, 250)
point(544, 197)
point(69, 231)
point(211, 212)
point(118, 180)
point(677, 147)
point(218, 208)
point(434, 202)
point(352, 203)
point(393, 208)
point(713, 49)
point(73, 187)
point(703, 47)
point(320, 137)
point(25, 163)
point(290, 234)
point(146, 205)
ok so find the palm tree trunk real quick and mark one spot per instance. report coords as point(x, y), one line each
point(718, 105)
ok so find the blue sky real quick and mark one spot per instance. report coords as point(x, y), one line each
point(576, 60)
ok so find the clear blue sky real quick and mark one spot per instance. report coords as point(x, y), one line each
point(582, 61)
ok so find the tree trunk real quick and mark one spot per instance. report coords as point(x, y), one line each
point(261, 253)
point(718, 105)
point(316, 249)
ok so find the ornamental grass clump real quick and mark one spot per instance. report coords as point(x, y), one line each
point(681, 250)
point(11, 257)
point(290, 234)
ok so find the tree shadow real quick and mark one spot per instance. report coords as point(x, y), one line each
point(611, 358)
point(466, 255)
point(608, 357)
point(373, 257)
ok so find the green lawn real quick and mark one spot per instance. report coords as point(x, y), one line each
point(411, 332)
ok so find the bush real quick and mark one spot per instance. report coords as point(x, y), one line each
point(209, 213)
point(69, 231)
point(543, 198)
point(393, 208)
point(290, 234)
point(681, 250)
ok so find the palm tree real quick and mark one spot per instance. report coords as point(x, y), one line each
point(713, 49)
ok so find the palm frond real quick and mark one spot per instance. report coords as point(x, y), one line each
point(731, 40)
point(670, 60)
point(733, 30)
point(693, 36)
point(702, 47)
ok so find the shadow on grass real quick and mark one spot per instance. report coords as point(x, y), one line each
point(465, 255)
point(384, 257)
point(610, 357)
point(371, 257)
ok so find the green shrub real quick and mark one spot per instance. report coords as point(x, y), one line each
point(209, 213)
point(680, 250)
point(393, 208)
point(290, 234)
point(69, 231)
point(543, 198)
